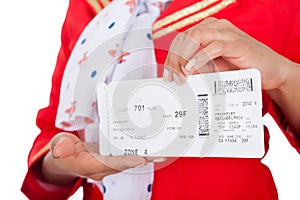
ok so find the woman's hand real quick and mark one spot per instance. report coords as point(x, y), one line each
point(70, 158)
point(229, 48)
point(217, 45)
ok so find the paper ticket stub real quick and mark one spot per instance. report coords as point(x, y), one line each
point(211, 115)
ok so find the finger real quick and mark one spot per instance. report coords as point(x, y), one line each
point(171, 73)
point(186, 72)
point(121, 163)
point(190, 45)
point(65, 147)
point(65, 144)
point(199, 61)
point(155, 159)
point(187, 50)
point(179, 57)
point(186, 44)
point(179, 78)
point(96, 167)
point(212, 51)
point(206, 32)
point(167, 77)
point(173, 56)
point(168, 71)
point(94, 163)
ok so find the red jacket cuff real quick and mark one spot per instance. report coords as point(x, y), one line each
point(280, 119)
point(34, 187)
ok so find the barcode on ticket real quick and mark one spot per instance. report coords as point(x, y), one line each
point(233, 86)
point(203, 117)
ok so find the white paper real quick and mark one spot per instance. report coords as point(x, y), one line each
point(212, 115)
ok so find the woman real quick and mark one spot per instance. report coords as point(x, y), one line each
point(50, 177)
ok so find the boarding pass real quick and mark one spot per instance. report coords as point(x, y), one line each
point(211, 115)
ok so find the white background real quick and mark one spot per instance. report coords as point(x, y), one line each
point(29, 43)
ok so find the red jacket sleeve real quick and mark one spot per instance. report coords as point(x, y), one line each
point(79, 13)
point(292, 51)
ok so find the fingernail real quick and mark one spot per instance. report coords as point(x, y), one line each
point(176, 79)
point(182, 78)
point(140, 165)
point(190, 64)
point(166, 75)
point(185, 71)
point(159, 159)
point(179, 79)
point(56, 153)
point(170, 76)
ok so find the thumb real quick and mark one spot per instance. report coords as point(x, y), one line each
point(64, 145)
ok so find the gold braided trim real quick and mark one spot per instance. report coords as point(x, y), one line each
point(95, 4)
point(182, 13)
point(104, 2)
point(41, 151)
point(192, 19)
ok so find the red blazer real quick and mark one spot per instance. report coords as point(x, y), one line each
point(275, 23)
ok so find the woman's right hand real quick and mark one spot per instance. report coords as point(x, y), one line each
point(70, 158)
